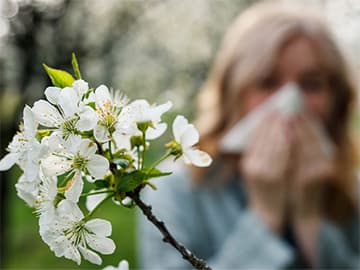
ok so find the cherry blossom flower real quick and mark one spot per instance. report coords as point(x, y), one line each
point(73, 135)
point(71, 235)
point(24, 149)
point(69, 116)
point(28, 190)
point(140, 111)
point(108, 108)
point(75, 155)
point(186, 136)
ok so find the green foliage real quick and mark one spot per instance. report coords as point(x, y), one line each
point(153, 173)
point(59, 78)
point(101, 184)
point(75, 66)
point(132, 180)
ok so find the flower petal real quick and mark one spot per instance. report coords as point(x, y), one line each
point(58, 244)
point(189, 137)
point(93, 200)
point(100, 227)
point(49, 184)
point(54, 142)
point(80, 87)
point(31, 167)
point(72, 144)
point(87, 148)
point(126, 201)
point(102, 96)
point(70, 209)
point(101, 244)
point(27, 190)
point(8, 161)
point(52, 94)
point(197, 157)
point(89, 255)
point(123, 265)
point(68, 101)
point(101, 134)
point(98, 166)
point(157, 111)
point(110, 267)
point(153, 133)
point(122, 141)
point(47, 114)
point(138, 110)
point(54, 165)
point(72, 253)
point(179, 126)
point(88, 119)
point(75, 189)
point(30, 124)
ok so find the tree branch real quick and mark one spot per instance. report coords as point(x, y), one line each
point(168, 238)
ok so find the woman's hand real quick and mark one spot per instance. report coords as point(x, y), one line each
point(312, 167)
point(264, 167)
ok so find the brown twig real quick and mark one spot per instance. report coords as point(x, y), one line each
point(168, 238)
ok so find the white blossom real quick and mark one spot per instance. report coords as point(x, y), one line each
point(53, 93)
point(71, 235)
point(45, 201)
point(24, 149)
point(80, 87)
point(140, 111)
point(108, 108)
point(75, 154)
point(28, 190)
point(69, 116)
point(187, 136)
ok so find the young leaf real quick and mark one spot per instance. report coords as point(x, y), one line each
point(59, 78)
point(131, 181)
point(101, 184)
point(152, 173)
point(75, 66)
point(134, 179)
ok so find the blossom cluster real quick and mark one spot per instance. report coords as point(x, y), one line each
point(95, 135)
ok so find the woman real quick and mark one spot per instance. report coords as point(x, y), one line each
point(283, 202)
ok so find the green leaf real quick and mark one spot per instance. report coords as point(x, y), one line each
point(134, 179)
point(101, 184)
point(131, 181)
point(59, 78)
point(152, 173)
point(75, 66)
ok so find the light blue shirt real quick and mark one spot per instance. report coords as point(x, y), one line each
point(214, 222)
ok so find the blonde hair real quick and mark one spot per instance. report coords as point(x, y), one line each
point(248, 53)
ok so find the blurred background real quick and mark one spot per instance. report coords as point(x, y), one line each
point(155, 49)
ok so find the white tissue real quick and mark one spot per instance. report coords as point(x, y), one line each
point(289, 101)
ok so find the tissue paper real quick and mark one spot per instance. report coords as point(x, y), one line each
point(287, 100)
